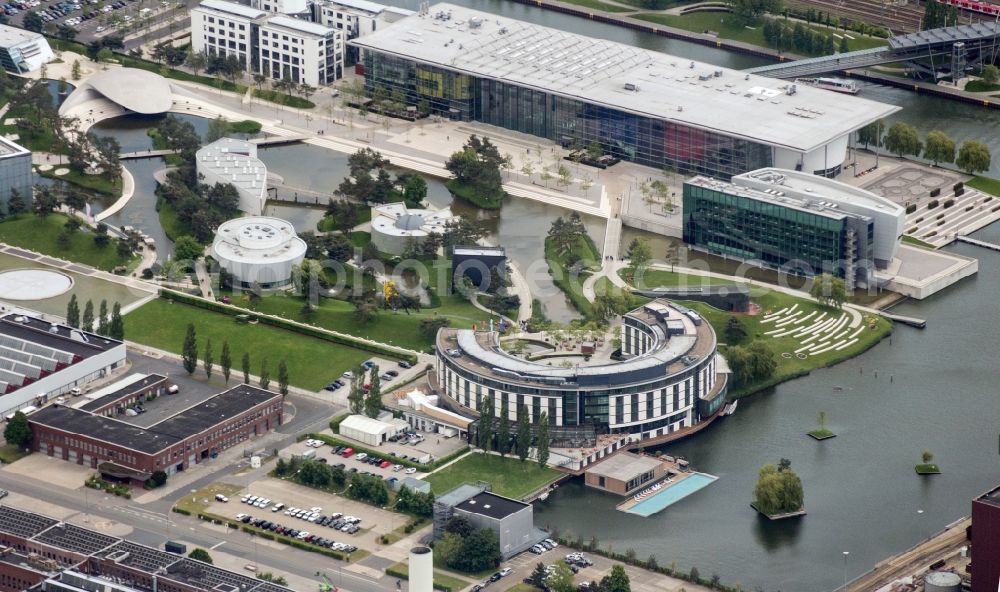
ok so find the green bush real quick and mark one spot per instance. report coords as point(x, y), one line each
point(911, 208)
point(948, 203)
point(932, 204)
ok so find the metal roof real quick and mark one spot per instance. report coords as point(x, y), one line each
point(625, 466)
point(299, 25)
point(11, 36)
point(233, 8)
point(970, 32)
point(365, 5)
point(626, 78)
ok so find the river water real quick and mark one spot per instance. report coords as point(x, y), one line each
point(934, 389)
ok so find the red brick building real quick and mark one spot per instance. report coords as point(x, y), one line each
point(123, 449)
point(986, 542)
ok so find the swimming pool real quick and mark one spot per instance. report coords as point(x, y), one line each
point(671, 494)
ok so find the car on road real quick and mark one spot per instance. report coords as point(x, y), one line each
point(495, 577)
point(221, 498)
point(348, 374)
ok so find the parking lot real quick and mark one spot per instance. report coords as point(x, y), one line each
point(342, 384)
point(373, 523)
point(359, 465)
point(91, 18)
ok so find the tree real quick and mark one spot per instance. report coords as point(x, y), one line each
point(429, 326)
point(15, 203)
point(157, 479)
point(543, 439)
point(829, 290)
point(560, 578)
point(484, 432)
point(480, 551)
point(990, 74)
point(639, 255)
point(844, 47)
point(926, 456)
point(477, 170)
point(207, 358)
point(283, 377)
point(414, 190)
point(503, 432)
point(356, 395)
point(74, 200)
point(33, 22)
point(522, 444)
point(938, 147)
point(751, 364)
point(537, 577)
point(373, 399)
point(44, 202)
point(872, 133)
point(217, 128)
point(265, 375)
point(616, 581)
point(735, 331)
point(103, 327)
point(245, 363)
point(18, 432)
point(748, 11)
point(821, 420)
point(973, 157)
point(73, 312)
point(75, 71)
point(116, 328)
point(200, 554)
point(778, 490)
point(187, 250)
point(88, 317)
point(902, 139)
point(459, 525)
point(189, 351)
point(225, 360)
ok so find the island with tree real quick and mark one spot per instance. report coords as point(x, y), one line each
point(778, 493)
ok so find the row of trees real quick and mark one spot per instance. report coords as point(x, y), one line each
point(365, 397)
point(495, 434)
point(107, 325)
point(560, 579)
point(370, 181)
point(801, 38)
point(189, 359)
point(904, 140)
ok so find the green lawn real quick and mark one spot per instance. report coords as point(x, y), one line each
point(171, 224)
point(912, 240)
point(10, 453)
point(598, 5)
point(312, 362)
point(981, 86)
point(194, 503)
point(927, 469)
point(364, 215)
point(509, 476)
point(573, 286)
point(98, 183)
point(31, 232)
point(991, 186)
point(660, 278)
point(792, 366)
point(396, 329)
point(727, 26)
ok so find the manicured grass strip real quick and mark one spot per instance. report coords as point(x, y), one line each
point(912, 240)
point(729, 27)
point(442, 581)
point(10, 453)
point(193, 504)
point(561, 276)
point(598, 5)
point(312, 362)
point(659, 278)
point(986, 184)
point(509, 476)
point(37, 234)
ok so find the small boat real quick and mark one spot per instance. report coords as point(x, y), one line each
point(731, 408)
point(835, 84)
point(544, 496)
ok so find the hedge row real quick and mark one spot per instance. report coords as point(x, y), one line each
point(265, 534)
point(323, 334)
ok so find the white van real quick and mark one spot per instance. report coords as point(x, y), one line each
point(173, 389)
point(309, 454)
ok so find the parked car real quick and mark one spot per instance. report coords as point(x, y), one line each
point(361, 456)
point(221, 498)
point(410, 470)
point(505, 572)
point(392, 373)
point(404, 364)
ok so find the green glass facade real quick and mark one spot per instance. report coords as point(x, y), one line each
point(654, 142)
point(778, 236)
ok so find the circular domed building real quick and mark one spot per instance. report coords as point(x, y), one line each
point(258, 249)
point(394, 225)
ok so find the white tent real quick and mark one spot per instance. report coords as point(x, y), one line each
point(367, 430)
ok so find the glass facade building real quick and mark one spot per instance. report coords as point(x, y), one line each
point(649, 141)
point(734, 222)
point(15, 173)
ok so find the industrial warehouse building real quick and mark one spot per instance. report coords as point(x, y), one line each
point(640, 105)
point(790, 220)
point(127, 451)
point(41, 553)
point(40, 360)
point(671, 378)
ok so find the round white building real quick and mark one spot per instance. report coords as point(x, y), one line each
point(258, 249)
point(394, 226)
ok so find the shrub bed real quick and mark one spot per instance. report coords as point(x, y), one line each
point(268, 535)
point(932, 204)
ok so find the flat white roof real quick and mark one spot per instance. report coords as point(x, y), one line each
point(299, 25)
point(816, 189)
point(11, 36)
point(365, 5)
point(9, 148)
point(233, 8)
point(660, 86)
point(236, 161)
point(258, 239)
point(365, 424)
point(395, 219)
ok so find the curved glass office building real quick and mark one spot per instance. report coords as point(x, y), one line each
point(671, 378)
point(640, 105)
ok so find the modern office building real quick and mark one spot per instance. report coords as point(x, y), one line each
point(985, 542)
point(671, 378)
point(15, 173)
point(23, 51)
point(511, 520)
point(229, 160)
point(794, 221)
point(40, 360)
point(356, 18)
point(396, 227)
point(126, 450)
point(625, 472)
point(298, 8)
point(639, 105)
point(258, 249)
point(275, 45)
point(38, 552)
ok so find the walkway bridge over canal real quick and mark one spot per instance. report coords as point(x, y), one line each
point(934, 53)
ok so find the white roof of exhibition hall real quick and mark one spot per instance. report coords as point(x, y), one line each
point(258, 239)
point(597, 71)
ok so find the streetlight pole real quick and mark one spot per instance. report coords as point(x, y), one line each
point(846, 553)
